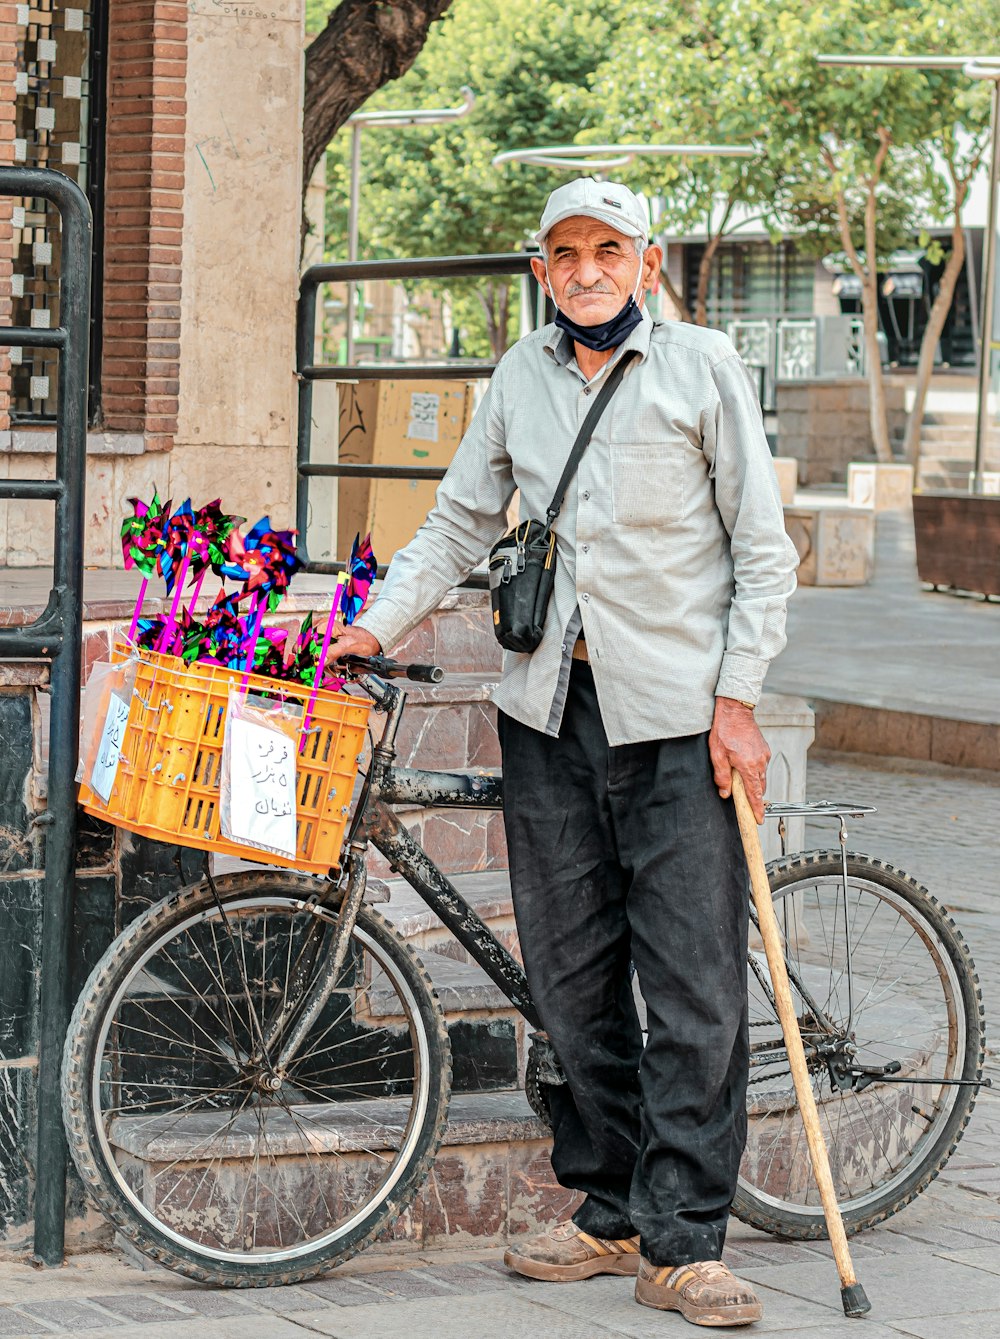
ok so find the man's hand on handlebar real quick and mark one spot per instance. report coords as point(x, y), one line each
point(360, 653)
point(354, 642)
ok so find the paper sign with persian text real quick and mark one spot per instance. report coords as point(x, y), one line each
point(424, 409)
point(105, 769)
point(261, 786)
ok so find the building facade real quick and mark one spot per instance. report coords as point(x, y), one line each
point(182, 123)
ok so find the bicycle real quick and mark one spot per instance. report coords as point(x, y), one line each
point(257, 1073)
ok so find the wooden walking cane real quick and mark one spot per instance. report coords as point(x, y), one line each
point(852, 1294)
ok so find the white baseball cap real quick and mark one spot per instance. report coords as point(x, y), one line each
point(608, 201)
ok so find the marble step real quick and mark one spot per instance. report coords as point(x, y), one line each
point(486, 891)
point(492, 1181)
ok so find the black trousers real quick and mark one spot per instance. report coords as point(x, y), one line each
point(618, 855)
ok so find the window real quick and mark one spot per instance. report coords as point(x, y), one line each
point(58, 108)
point(753, 279)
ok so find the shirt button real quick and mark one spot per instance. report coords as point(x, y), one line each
point(586, 390)
point(565, 648)
point(586, 548)
point(586, 496)
point(585, 597)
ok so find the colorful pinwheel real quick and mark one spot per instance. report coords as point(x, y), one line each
point(360, 574)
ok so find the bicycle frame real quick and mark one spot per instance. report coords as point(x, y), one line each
point(480, 789)
point(377, 824)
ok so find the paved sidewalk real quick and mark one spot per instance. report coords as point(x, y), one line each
point(893, 644)
point(933, 1271)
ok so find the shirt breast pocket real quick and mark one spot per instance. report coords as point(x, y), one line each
point(647, 482)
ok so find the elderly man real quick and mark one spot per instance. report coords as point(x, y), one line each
point(620, 733)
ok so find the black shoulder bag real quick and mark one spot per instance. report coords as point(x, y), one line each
point(522, 565)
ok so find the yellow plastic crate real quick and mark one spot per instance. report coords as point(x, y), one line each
point(167, 782)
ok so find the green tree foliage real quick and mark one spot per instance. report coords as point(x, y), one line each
point(434, 191)
point(849, 160)
point(691, 73)
point(317, 13)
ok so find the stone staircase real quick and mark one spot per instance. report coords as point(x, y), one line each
point(947, 450)
point(492, 1179)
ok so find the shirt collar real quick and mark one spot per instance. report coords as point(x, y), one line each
point(559, 345)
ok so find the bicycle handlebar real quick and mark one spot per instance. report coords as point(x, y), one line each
point(393, 669)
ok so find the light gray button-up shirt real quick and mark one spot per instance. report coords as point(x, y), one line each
point(671, 548)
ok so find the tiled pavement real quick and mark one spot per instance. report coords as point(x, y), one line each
point(933, 1271)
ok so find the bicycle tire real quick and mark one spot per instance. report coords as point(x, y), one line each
point(93, 1067)
point(946, 1116)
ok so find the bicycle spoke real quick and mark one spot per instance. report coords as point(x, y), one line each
point(908, 1013)
point(232, 1156)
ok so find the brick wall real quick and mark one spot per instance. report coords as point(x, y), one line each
point(8, 57)
point(143, 215)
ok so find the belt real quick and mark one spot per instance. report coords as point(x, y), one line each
point(580, 650)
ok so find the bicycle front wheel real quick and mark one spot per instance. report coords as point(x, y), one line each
point(883, 982)
point(209, 1149)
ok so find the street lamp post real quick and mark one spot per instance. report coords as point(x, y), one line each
point(973, 67)
point(382, 121)
point(594, 157)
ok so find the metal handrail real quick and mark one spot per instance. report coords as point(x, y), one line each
point(56, 635)
point(307, 372)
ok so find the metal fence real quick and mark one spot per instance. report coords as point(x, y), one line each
point(792, 348)
point(436, 269)
point(56, 636)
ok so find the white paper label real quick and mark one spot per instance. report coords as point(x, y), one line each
point(102, 775)
point(262, 786)
point(424, 406)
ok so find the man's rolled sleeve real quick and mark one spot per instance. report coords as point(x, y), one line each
point(764, 558)
point(469, 515)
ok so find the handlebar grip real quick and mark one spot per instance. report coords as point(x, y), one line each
point(425, 673)
point(392, 669)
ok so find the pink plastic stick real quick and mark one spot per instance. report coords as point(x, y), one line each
point(138, 609)
point(259, 606)
point(193, 604)
point(321, 663)
point(171, 623)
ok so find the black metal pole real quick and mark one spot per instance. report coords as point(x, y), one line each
point(60, 844)
point(429, 267)
point(305, 336)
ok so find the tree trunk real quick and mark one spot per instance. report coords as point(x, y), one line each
point(704, 276)
point(705, 264)
point(503, 322)
point(495, 302)
point(869, 299)
point(877, 414)
point(675, 297)
point(868, 274)
point(362, 47)
point(932, 333)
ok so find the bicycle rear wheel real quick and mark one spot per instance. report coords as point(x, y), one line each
point(912, 999)
point(201, 1147)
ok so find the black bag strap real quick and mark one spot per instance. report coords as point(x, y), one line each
point(585, 434)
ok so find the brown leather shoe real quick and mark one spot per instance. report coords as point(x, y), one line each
point(705, 1293)
point(565, 1255)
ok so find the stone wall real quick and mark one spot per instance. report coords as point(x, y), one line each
point(202, 232)
point(143, 217)
point(824, 423)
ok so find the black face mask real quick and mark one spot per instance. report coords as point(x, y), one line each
point(607, 335)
